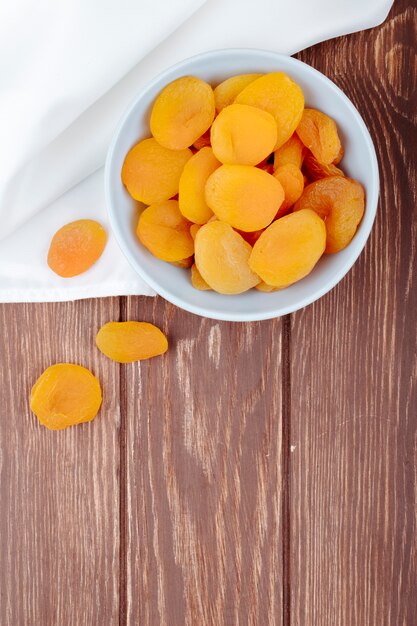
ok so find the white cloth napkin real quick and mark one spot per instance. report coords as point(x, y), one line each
point(68, 69)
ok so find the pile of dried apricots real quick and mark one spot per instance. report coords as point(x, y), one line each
point(241, 183)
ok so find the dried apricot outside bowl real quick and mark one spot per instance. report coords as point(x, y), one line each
point(65, 394)
point(174, 283)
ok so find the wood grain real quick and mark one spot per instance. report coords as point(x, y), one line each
point(59, 519)
point(204, 474)
point(354, 373)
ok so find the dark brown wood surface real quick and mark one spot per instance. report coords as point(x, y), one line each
point(203, 466)
point(260, 474)
point(353, 356)
point(59, 490)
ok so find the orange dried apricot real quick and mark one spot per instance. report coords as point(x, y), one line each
point(280, 96)
point(316, 170)
point(165, 232)
point(226, 92)
point(263, 286)
point(197, 280)
point(266, 166)
point(243, 134)
point(203, 141)
point(221, 257)
point(289, 248)
point(64, 395)
point(292, 181)
point(76, 247)
point(192, 201)
point(318, 132)
point(194, 229)
point(182, 112)
point(251, 237)
point(245, 197)
point(292, 151)
point(126, 342)
point(151, 173)
point(339, 156)
point(184, 263)
point(341, 203)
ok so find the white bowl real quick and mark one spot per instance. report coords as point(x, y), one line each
point(173, 283)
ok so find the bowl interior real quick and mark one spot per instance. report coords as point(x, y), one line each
point(174, 283)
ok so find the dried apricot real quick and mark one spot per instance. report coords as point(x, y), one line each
point(65, 395)
point(245, 197)
point(278, 94)
point(182, 112)
point(165, 232)
point(289, 248)
point(318, 132)
point(263, 286)
point(192, 201)
point(251, 237)
point(292, 151)
point(243, 134)
point(194, 229)
point(197, 280)
point(316, 170)
point(184, 263)
point(341, 202)
point(226, 92)
point(126, 342)
point(292, 181)
point(266, 166)
point(151, 173)
point(76, 247)
point(221, 257)
point(203, 141)
point(339, 157)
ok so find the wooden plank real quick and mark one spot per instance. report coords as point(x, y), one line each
point(353, 373)
point(203, 466)
point(59, 513)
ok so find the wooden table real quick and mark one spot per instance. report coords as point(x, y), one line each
point(259, 473)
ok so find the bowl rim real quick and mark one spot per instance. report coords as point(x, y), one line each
point(236, 316)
